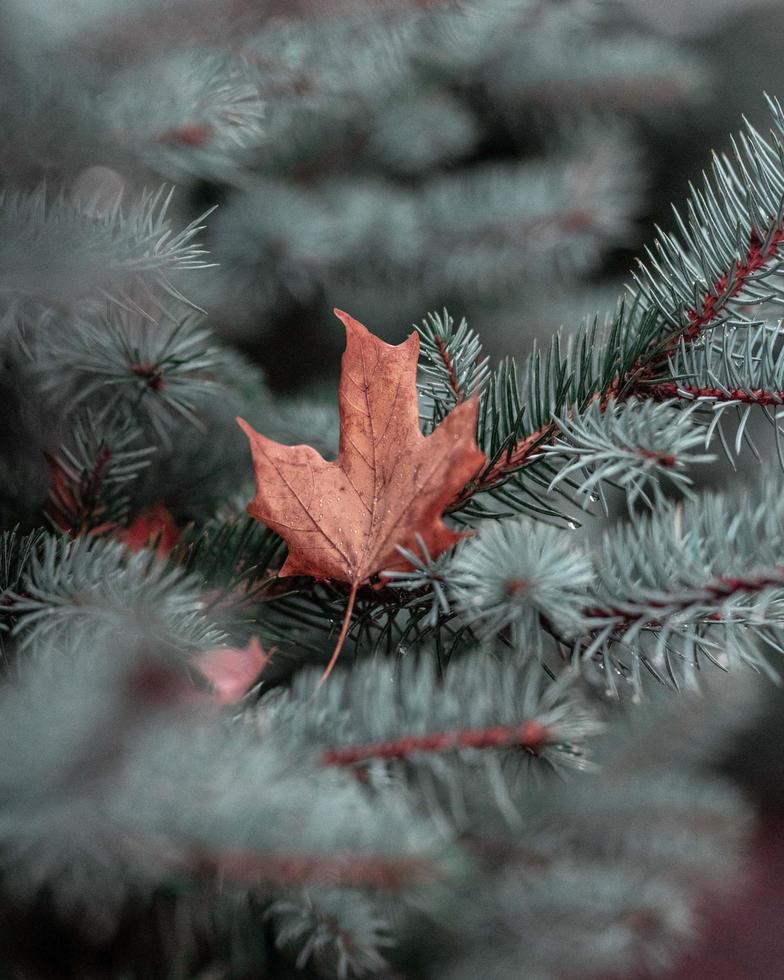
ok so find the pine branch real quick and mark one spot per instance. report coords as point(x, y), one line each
point(342, 932)
point(452, 365)
point(91, 478)
point(530, 735)
point(207, 114)
point(690, 582)
point(348, 870)
point(727, 253)
point(476, 709)
point(638, 446)
point(153, 374)
point(95, 584)
point(74, 251)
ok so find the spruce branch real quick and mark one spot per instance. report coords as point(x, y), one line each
point(90, 478)
point(514, 572)
point(530, 736)
point(483, 227)
point(299, 868)
point(96, 584)
point(636, 445)
point(206, 116)
point(452, 365)
point(73, 251)
point(475, 710)
point(90, 726)
point(478, 228)
point(317, 812)
point(726, 257)
point(519, 407)
point(558, 70)
point(17, 551)
point(147, 32)
point(339, 930)
point(426, 576)
point(692, 582)
point(733, 367)
point(235, 558)
point(153, 373)
point(719, 396)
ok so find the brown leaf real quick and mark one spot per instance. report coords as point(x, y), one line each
point(344, 520)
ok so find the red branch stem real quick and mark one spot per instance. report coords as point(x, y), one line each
point(722, 587)
point(727, 287)
point(530, 735)
point(348, 870)
point(76, 496)
point(449, 365)
point(753, 396)
point(515, 460)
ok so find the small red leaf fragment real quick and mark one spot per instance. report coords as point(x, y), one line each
point(189, 134)
point(232, 672)
point(150, 525)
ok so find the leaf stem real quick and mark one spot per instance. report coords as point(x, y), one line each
point(342, 635)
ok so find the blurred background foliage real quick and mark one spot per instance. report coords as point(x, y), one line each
point(506, 158)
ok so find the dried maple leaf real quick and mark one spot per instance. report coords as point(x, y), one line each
point(345, 520)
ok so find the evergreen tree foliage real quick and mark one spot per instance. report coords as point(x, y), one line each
point(512, 770)
point(387, 158)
